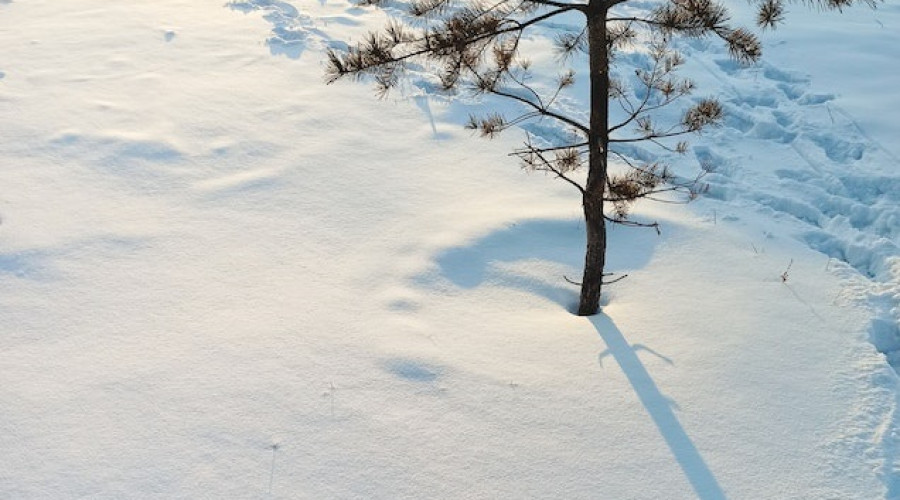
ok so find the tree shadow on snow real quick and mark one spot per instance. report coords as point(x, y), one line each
point(509, 256)
point(523, 254)
point(658, 407)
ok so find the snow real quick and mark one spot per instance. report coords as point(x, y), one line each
point(220, 278)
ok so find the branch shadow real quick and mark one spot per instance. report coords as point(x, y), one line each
point(659, 407)
point(423, 103)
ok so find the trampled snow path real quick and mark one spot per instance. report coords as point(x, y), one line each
point(832, 184)
point(291, 29)
point(832, 179)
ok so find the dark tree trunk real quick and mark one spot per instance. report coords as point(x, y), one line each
point(594, 258)
point(595, 223)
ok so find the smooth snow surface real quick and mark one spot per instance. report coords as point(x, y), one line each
point(220, 278)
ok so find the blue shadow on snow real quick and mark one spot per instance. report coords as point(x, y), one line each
point(552, 240)
point(659, 408)
point(412, 370)
point(290, 27)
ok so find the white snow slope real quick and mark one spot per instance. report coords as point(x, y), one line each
point(220, 278)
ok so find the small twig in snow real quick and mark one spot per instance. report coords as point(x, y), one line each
point(784, 275)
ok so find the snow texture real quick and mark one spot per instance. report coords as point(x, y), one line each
point(220, 278)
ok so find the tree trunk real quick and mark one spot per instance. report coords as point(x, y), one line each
point(598, 139)
point(594, 258)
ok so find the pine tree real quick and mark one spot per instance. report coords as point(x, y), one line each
point(477, 43)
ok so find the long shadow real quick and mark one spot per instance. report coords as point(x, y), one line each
point(660, 409)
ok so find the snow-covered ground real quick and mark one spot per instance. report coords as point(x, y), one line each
point(220, 278)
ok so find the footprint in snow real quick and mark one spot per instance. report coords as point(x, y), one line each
point(413, 370)
point(292, 30)
point(833, 183)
